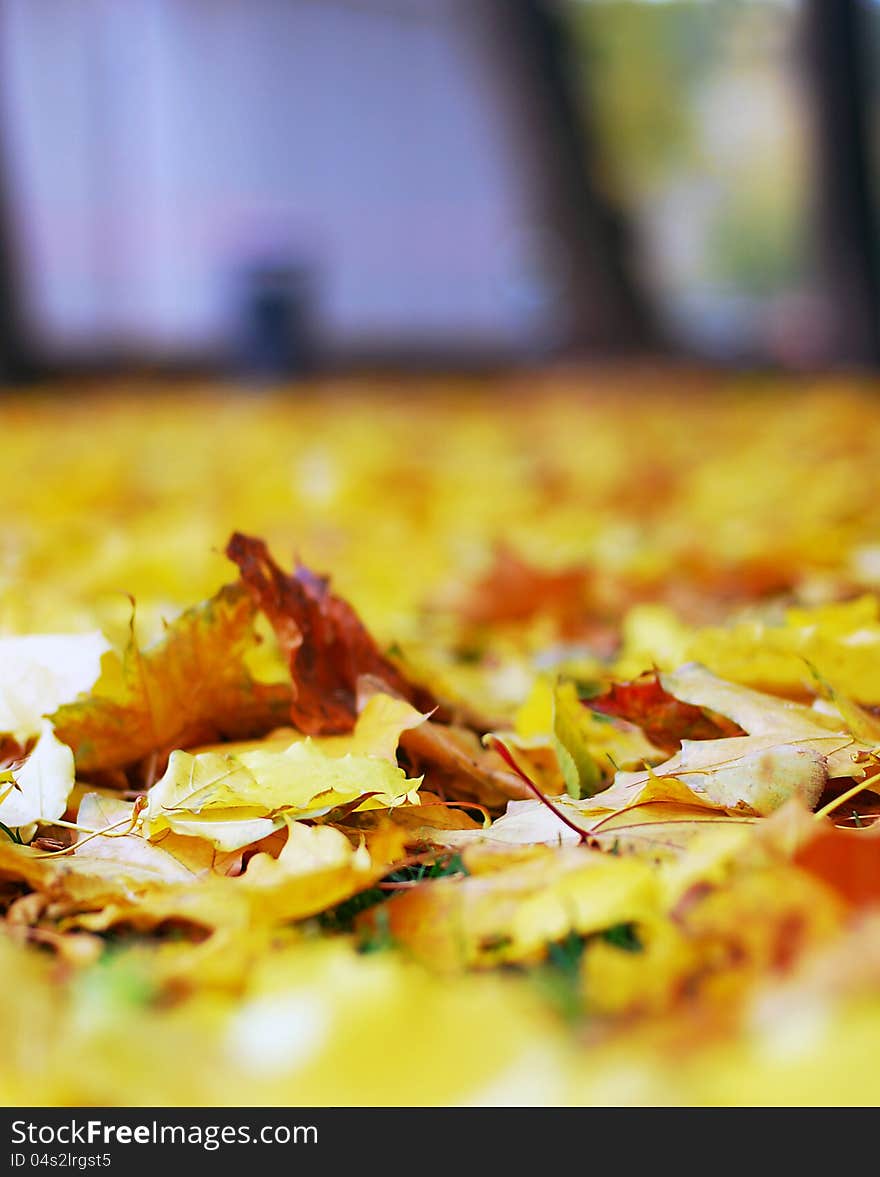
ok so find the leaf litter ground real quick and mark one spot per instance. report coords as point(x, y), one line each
point(476, 743)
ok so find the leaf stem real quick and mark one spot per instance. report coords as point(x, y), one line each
point(507, 756)
point(107, 832)
point(871, 782)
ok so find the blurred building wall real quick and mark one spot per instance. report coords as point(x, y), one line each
point(157, 151)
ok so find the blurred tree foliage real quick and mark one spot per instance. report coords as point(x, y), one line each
point(698, 113)
point(640, 65)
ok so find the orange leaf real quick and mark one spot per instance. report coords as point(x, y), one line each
point(848, 860)
point(514, 591)
point(192, 687)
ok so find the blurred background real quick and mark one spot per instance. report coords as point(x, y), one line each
point(273, 188)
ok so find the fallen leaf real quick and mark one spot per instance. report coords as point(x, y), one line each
point(460, 765)
point(664, 718)
point(225, 799)
point(513, 590)
point(740, 774)
point(841, 640)
point(756, 712)
point(325, 641)
point(758, 924)
point(134, 860)
point(847, 860)
point(552, 728)
point(38, 789)
point(39, 672)
point(192, 687)
point(665, 831)
point(512, 913)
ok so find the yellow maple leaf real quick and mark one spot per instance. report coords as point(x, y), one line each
point(234, 800)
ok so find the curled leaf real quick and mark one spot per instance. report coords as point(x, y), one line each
point(326, 643)
point(743, 774)
point(755, 712)
point(460, 766)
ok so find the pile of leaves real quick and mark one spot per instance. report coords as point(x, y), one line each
point(584, 815)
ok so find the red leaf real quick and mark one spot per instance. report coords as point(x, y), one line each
point(326, 643)
point(665, 720)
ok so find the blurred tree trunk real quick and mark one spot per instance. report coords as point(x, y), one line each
point(12, 357)
point(836, 48)
point(13, 362)
point(607, 311)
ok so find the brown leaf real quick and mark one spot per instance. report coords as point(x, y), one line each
point(327, 644)
point(12, 754)
point(468, 770)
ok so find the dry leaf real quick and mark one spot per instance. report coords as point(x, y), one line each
point(39, 672)
point(193, 686)
point(664, 718)
point(234, 800)
point(37, 788)
point(324, 639)
point(511, 913)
